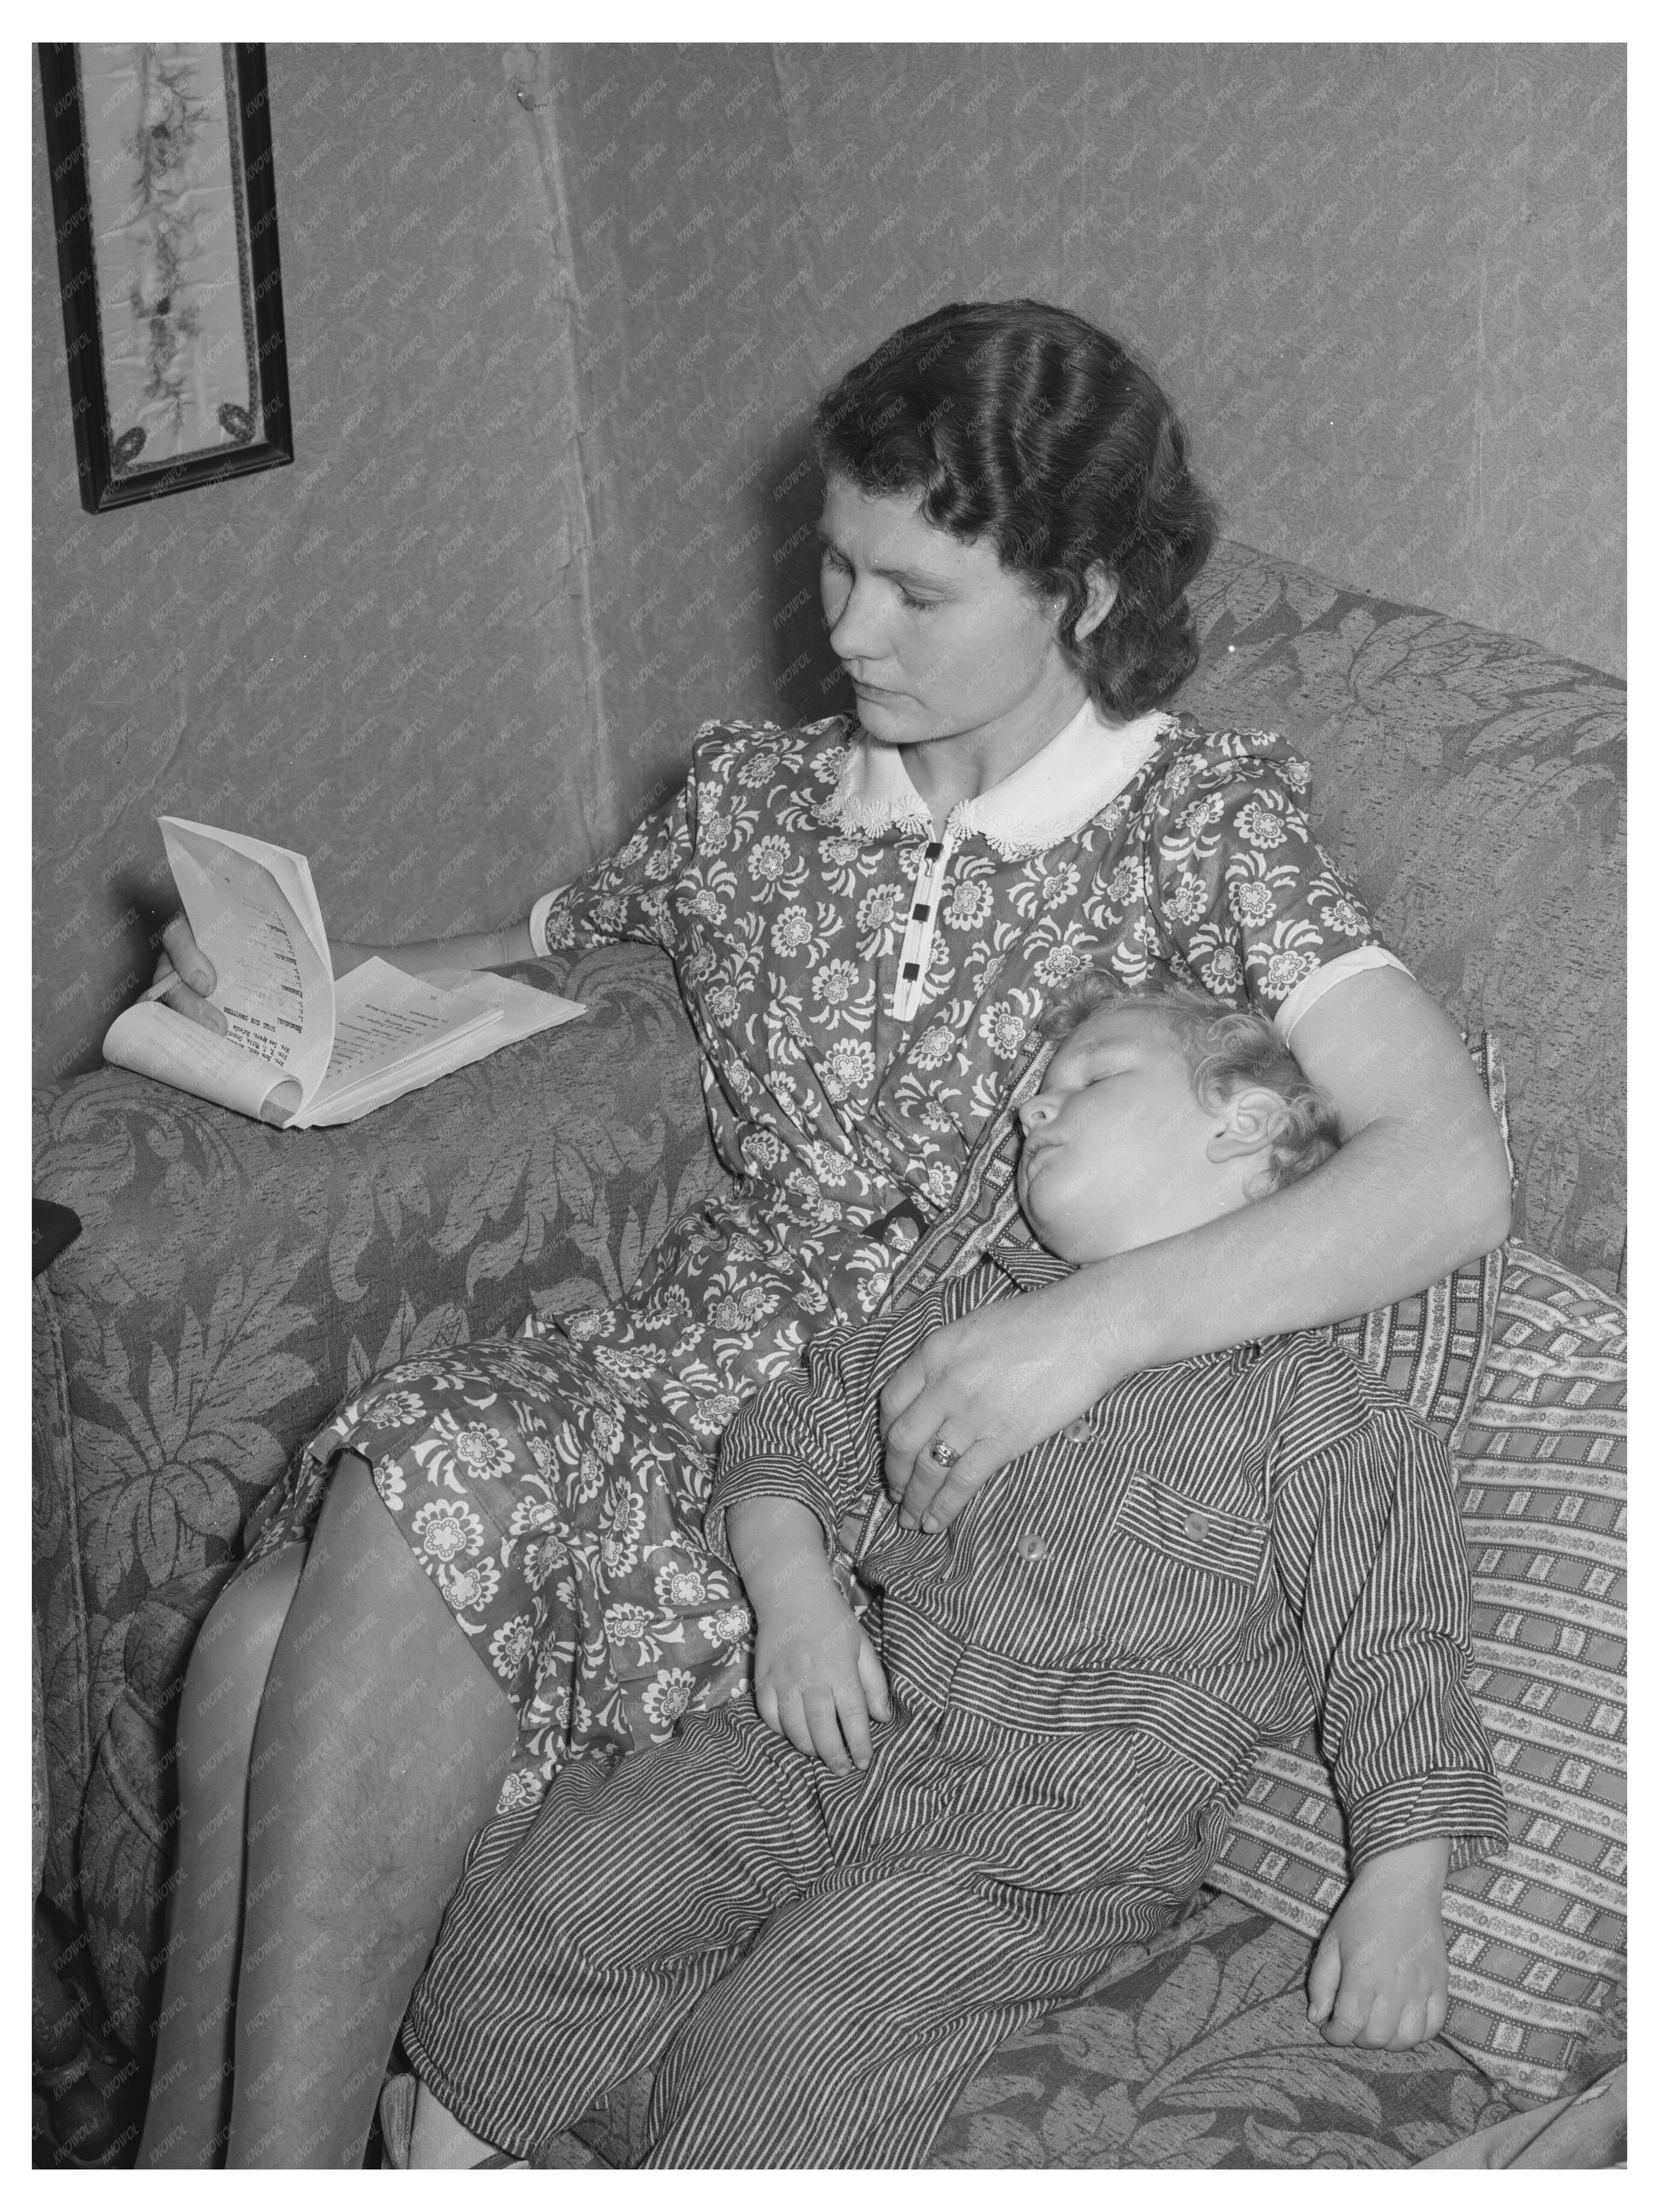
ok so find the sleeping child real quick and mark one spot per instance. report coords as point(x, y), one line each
point(817, 1912)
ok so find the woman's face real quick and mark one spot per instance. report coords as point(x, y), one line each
point(940, 640)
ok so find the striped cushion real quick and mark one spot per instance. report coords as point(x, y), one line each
point(1537, 1936)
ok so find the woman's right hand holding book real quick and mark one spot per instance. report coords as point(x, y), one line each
point(186, 978)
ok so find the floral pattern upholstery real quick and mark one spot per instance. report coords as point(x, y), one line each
point(231, 1285)
point(1199, 2054)
point(1471, 787)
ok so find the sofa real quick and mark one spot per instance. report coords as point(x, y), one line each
point(231, 1282)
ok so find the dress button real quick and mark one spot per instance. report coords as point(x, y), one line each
point(1197, 1527)
point(1079, 1432)
point(1031, 1547)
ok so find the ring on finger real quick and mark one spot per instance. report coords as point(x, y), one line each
point(942, 1454)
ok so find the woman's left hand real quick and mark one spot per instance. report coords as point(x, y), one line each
point(990, 1386)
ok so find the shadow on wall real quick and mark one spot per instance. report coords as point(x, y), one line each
point(784, 504)
point(138, 911)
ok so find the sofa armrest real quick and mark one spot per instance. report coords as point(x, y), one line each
point(232, 1281)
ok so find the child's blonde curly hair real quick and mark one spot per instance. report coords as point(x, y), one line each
point(1227, 1049)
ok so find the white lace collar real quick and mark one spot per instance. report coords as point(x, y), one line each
point(1048, 798)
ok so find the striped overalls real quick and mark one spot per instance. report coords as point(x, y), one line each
point(1081, 1668)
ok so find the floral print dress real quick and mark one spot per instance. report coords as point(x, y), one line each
point(553, 1483)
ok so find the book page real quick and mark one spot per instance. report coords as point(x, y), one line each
point(290, 870)
point(393, 1032)
point(276, 988)
point(405, 1031)
point(152, 1040)
point(523, 1010)
point(383, 1014)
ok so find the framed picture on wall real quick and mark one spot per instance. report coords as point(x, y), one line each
point(165, 205)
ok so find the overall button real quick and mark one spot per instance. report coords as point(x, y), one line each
point(1032, 1547)
point(1197, 1529)
point(1079, 1432)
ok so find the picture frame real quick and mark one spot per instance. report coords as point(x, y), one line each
point(165, 205)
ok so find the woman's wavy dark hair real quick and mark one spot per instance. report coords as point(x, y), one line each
point(1023, 425)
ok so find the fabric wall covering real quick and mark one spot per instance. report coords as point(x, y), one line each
point(555, 317)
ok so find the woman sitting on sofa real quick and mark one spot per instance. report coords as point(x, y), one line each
point(491, 1560)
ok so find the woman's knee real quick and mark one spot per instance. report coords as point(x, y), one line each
point(371, 1646)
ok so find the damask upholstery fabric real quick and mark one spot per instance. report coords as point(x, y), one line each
point(1471, 787)
point(59, 1621)
point(1583, 2131)
point(1202, 2055)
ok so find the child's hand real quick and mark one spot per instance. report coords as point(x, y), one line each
point(817, 1680)
point(1379, 1976)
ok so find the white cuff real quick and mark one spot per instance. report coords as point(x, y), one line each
point(1314, 988)
point(539, 914)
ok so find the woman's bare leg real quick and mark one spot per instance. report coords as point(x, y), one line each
point(188, 2119)
point(379, 1750)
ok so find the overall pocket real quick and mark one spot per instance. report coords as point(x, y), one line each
point(1181, 1527)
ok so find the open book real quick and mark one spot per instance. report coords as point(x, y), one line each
point(305, 1049)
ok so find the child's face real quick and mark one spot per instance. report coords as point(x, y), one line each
point(1117, 1151)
